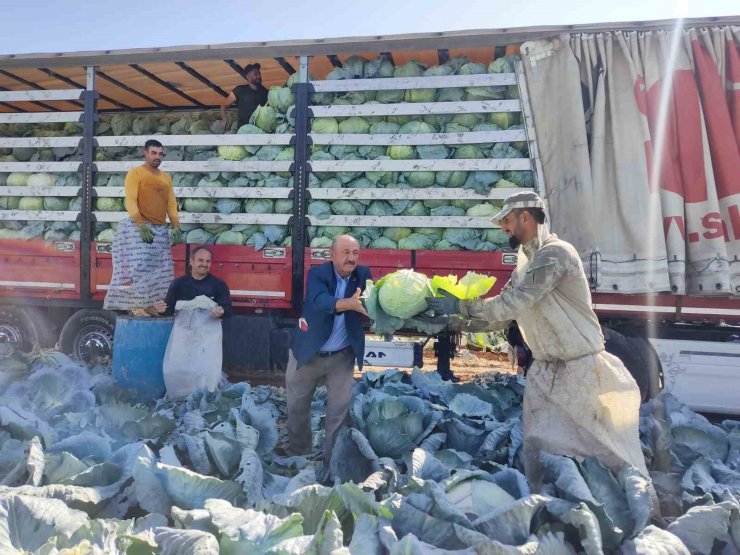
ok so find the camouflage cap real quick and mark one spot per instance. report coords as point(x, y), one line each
point(527, 199)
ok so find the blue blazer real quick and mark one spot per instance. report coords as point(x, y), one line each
point(318, 310)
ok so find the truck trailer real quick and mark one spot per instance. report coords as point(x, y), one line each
point(630, 132)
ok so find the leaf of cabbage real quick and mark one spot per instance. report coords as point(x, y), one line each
point(224, 453)
point(26, 523)
point(654, 540)
point(462, 436)
point(411, 545)
point(328, 538)
point(248, 531)
point(604, 487)
point(260, 418)
point(190, 490)
point(382, 322)
point(425, 466)
point(353, 458)
point(701, 526)
point(251, 476)
point(172, 541)
point(411, 518)
point(365, 540)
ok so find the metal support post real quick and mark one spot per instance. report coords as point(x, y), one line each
point(445, 352)
point(88, 182)
point(300, 183)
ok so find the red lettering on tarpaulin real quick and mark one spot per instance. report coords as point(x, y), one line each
point(723, 144)
point(682, 161)
point(697, 100)
point(679, 222)
point(714, 225)
point(734, 212)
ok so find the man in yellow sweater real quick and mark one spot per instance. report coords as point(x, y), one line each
point(142, 261)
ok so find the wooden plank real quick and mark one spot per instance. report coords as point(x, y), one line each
point(432, 82)
point(39, 142)
point(201, 166)
point(210, 192)
point(39, 215)
point(403, 221)
point(30, 96)
point(435, 193)
point(199, 218)
point(197, 140)
point(417, 108)
point(316, 193)
point(479, 164)
point(35, 167)
point(39, 191)
point(471, 137)
point(41, 117)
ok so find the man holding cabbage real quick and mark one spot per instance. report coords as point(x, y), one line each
point(142, 261)
point(325, 347)
point(247, 97)
point(579, 400)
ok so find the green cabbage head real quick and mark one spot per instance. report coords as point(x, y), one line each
point(226, 152)
point(403, 293)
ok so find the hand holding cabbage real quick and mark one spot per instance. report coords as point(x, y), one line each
point(353, 303)
point(447, 304)
point(404, 299)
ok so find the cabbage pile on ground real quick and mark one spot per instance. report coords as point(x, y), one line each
point(428, 467)
point(276, 117)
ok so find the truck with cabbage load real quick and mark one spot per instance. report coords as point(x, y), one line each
point(410, 143)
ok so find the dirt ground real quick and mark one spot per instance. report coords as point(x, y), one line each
point(466, 366)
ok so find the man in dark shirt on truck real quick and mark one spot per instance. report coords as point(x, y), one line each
point(199, 282)
point(247, 97)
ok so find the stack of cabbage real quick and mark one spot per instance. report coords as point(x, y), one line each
point(276, 117)
point(481, 182)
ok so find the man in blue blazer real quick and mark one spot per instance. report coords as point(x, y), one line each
point(326, 345)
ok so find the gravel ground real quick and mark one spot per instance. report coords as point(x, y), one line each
point(466, 366)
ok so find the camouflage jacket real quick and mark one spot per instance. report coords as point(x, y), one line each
point(549, 297)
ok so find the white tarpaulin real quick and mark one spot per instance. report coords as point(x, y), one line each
point(660, 111)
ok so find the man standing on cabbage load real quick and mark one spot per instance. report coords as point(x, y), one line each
point(579, 400)
point(247, 97)
point(142, 261)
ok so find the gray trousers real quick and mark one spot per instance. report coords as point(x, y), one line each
point(300, 383)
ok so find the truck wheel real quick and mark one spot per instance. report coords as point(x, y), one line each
point(88, 336)
point(638, 357)
point(652, 363)
point(21, 327)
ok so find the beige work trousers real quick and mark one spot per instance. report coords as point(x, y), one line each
point(301, 383)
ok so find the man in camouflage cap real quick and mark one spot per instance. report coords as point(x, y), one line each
point(579, 400)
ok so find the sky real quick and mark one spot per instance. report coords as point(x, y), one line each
point(42, 26)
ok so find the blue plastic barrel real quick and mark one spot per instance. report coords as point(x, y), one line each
point(138, 351)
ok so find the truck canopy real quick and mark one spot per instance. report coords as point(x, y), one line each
point(199, 76)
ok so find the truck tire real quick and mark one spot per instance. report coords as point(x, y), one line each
point(655, 371)
point(88, 336)
point(638, 357)
point(24, 327)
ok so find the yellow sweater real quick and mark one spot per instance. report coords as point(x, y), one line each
point(150, 196)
